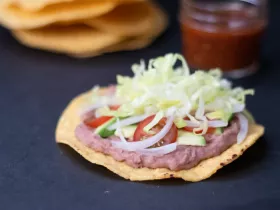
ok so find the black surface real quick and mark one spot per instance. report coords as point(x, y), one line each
point(35, 173)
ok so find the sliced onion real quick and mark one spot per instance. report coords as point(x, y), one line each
point(217, 123)
point(192, 124)
point(170, 111)
point(243, 121)
point(119, 130)
point(128, 121)
point(98, 114)
point(202, 127)
point(159, 150)
point(212, 123)
point(89, 108)
point(238, 108)
point(200, 110)
point(134, 146)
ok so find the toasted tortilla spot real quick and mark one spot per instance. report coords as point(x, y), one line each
point(65, 134)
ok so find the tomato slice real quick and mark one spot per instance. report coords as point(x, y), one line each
point(170, 137)
point(96, 122)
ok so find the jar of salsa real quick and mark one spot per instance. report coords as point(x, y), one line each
point(223, 34)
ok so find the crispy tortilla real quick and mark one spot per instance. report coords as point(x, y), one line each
point(139, 19)
point(81, 41)
point(70, 119)
point(34, 5)
point(75, 39)
point(14, 17)
point(159, 22)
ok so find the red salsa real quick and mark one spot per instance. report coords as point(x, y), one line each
point(228, 38)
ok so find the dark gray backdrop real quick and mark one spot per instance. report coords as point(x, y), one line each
point(35, 173)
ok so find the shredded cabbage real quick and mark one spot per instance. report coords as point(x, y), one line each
point(159, 86)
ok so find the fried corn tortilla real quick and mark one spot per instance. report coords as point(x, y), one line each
point(70, 120)
point(78, 39)
point(81, 41)
point(159, 23)
point(139, 19)
point(14, 17)
point(34, 5)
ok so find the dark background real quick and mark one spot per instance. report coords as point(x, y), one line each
point(35, 173)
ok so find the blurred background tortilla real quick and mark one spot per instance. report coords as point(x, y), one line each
point(139, 19)
point(87, 40)
point(33, 5)
point(73, 39)
point(14, 17)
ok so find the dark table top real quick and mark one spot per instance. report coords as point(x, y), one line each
point(36, 173)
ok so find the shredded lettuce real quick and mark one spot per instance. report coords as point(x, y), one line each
point(162, 84)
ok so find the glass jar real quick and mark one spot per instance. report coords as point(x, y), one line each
point(223, 34)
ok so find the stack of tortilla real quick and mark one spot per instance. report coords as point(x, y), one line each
point(83, 28)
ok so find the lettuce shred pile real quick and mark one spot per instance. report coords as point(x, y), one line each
point(160, 88)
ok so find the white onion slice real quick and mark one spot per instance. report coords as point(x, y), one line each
point(200, 110)
point(212, 123)
point(192, 124)
point(119, 130)
point(244, 126)
point(217, 123)
point(238, 108)
point(98, 114)
point(89, 108)
point(204, 125)
point(170, 111)
point(133, 146)
point(159, 150)
point(128, 121)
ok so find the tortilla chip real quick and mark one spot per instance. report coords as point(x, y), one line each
point(70, 119)
point(139, 19)
point(14, 17)
point(82, 41)
point(159, 23)
point(34, 5)
point(78, 39)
